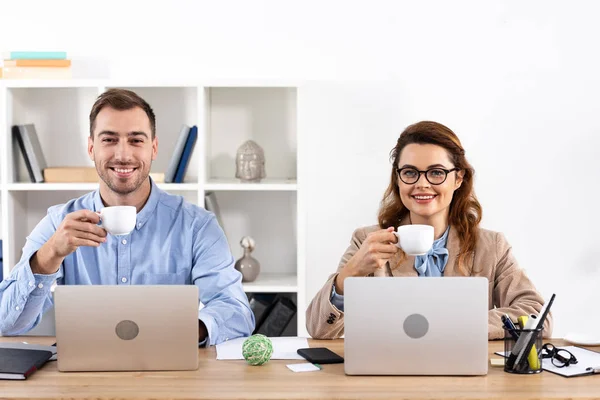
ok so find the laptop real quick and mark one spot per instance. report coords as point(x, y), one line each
point(416, 326)
point(126, 328)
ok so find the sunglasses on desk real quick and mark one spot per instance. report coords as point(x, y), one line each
point(560, 357)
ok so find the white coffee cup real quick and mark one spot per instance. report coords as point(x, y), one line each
point(415, 240)
point(118, 220)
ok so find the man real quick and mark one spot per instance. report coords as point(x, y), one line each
point(174, 242)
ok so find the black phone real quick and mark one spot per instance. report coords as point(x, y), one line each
point(320, 355)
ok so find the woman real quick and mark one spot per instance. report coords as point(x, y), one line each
point(431, 184)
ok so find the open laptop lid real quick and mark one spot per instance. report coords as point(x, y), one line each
point(416, 326)
point(126, 328)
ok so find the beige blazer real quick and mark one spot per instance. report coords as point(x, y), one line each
point(510, 290)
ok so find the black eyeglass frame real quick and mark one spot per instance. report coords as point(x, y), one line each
point(446, 171)
point(552, 353)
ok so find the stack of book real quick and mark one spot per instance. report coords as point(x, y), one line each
point(36, 65)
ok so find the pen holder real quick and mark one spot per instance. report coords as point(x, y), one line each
point(516, 342)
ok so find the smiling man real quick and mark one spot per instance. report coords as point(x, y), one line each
point(173, 242)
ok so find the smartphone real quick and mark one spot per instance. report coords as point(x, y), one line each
point(320, 355)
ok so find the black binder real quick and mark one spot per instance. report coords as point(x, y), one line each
point(278, 318)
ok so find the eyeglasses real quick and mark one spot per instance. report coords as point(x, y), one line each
point(560, 357)
point(435, 176)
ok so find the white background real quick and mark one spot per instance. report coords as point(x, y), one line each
point(516, 80)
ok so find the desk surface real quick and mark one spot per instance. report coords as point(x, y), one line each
point(237, 380)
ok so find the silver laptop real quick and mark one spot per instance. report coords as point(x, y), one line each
point(416, 326)
point(126, 328)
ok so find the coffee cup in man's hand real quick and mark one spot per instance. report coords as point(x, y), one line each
point(118, 220)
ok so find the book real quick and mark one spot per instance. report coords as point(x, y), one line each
point(27, 138)
point(21, 363)
point(32, 55)
point(36, 73)
point(187, 153)
point(83, 175)
point(177, 152)
point(210, 204)
point(158, 177)
point(70, 174)
point(37, 63)
point(278, 318)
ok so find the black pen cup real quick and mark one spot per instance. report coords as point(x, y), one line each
point(523, 348)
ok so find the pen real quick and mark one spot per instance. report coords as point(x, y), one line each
point(510, 327)
point(593, 370)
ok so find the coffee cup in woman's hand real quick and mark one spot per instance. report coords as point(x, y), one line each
point(415, 240)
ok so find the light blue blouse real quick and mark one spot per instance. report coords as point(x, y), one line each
point(434, 262)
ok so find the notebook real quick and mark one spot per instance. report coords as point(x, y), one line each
point(585, 359)
point(20, 363)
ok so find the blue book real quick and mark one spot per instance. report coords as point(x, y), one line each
point(176, 156)
point(38, 55)
point(187, 153)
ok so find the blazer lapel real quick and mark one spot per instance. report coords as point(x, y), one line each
point(404, 267)
point(453, 247)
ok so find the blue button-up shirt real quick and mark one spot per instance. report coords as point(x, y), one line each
point(174, 242)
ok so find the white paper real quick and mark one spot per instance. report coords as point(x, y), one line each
point(284, 348)
point(304, 367)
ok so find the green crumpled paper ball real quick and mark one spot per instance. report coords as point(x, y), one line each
point(257, 349)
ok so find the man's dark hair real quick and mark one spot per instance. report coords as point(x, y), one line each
point(121, 99)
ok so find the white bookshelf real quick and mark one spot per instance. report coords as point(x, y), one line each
point(227, 113)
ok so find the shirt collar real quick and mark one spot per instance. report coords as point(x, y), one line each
point(147, 210)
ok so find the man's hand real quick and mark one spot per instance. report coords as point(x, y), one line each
point(202, 332)
point(79, 228)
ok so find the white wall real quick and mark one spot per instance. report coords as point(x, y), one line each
point(516, 80)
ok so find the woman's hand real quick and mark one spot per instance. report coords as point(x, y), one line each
point(377, 249)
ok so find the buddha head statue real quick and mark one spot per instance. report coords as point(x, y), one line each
point(250, 162)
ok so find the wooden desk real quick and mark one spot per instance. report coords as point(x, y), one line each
point(237, 380)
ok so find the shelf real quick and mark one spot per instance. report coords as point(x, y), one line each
point(178, 186)
point(151, 83)
point(227, 111)
point(265, 185)
point(29, 187)
point(50, 83)
point(273, 283)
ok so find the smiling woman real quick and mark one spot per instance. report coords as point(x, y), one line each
point(431, 183)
